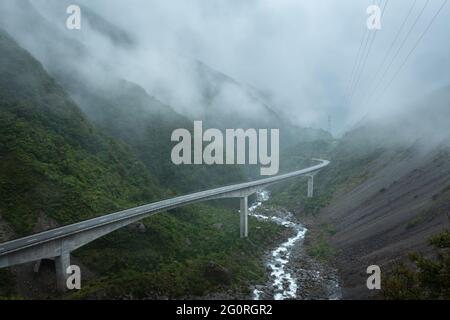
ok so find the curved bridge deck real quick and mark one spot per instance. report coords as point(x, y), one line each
point(59, 242)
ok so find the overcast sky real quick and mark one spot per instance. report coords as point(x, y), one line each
point(299, 53)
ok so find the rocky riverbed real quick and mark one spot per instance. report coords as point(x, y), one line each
point(293, 274)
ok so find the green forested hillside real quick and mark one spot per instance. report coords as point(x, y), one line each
point(128, 113)
point(56, 163)
point(52, 158)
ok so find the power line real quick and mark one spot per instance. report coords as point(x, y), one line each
point(388, 52)
point(368, 53)
point(352, 84)
point(414, 48)
point(362, 69)
point(400, 47)
point(357, 60)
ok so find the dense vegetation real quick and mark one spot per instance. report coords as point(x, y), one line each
point(426, 278)
point(56, 163)
point(70, 164)
point(188, 252)
point(52, 159)
point(126, 112)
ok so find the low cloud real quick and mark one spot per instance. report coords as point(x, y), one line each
point(298, 55)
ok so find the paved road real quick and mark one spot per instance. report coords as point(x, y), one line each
point(167, 204)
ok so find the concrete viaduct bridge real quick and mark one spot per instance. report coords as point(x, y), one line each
point(58, 243)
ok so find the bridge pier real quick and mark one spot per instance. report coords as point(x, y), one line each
point(244, 217)
point(310, 186)
point(62, 262)
point(59, 242)
point(37, 266)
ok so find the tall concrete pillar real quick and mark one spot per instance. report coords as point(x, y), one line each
point(61, 264)
point(244, 217)
point(310, 186)
point(37, 266)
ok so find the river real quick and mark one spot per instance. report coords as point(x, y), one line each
point(293, 274)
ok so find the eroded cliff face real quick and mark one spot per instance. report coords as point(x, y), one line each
point(404, 200)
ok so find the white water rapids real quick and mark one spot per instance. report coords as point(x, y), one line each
point(283, 281)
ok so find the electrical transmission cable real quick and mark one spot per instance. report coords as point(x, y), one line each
point(367, 55)
point(388, 52)
point(357, 60)
point(416, 44)
point(386, 71)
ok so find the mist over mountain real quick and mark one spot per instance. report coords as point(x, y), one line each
point(205, 94)
point(48, 145)
point(385, 195)
point(58, 167)
point(86, 118)
point(298, 53)
point(199, 93)
point(303, 78)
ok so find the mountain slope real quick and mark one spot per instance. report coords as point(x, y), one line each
point(189, 87)
point(121, 108)
point(53, 159)
point(384, 195)
point(128, 113)
point(56, 167)
point(398, 201)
